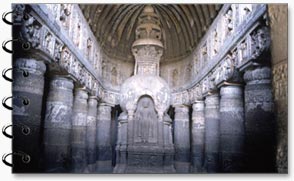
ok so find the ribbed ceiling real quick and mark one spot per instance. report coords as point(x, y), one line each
point(182, 25)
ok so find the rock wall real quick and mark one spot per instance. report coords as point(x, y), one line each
point(278, 16)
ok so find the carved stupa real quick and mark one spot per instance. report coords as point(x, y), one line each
point(144, 136)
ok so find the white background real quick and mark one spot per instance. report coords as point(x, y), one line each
point(5, 115)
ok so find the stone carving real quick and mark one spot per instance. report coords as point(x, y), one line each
point(65, 58)
point(260, 42)
point(18, 13)
point(204, 52)
point(57, 51)
point(89, 48)
point(205, 85)
point(243, 51)
point(215, 42)
point(56, 113)
point(65, 11)
point(49, 43)
point(225, 71)
point(244, 11)
point(30, 31)
point(229, 22)
point(145, 119)
point(77, 34)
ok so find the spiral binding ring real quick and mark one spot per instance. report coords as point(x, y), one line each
point(25, 101)
point(24, 157)
point(25, 45)
point(5, 133)
point(4, 75)
point(4, 18)
point(24, 129)
point(4, 43)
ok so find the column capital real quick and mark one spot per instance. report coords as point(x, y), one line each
point(31, 65)
point(261, 74)
point(198, 105)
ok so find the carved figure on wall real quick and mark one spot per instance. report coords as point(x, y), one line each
point(89, 48)
point(49, 43)
point(114, 76)
point(229, 22)
point(175, 78)
point(145, 121)
point(65, 11)
point(30, 31)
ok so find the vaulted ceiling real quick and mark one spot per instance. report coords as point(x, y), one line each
point(183, 25)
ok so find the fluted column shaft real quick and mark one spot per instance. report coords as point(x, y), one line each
point(104, 157)
point(232, 128)
point(28, 84)
point(212, 133)
point(91, 133)
point(198, 130)
point(182, 139)
point(57, 125)
point(79, 128)
point(259, 124)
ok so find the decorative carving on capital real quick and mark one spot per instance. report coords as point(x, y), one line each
point(31, 31)
point(225, 70)
point(65, 61)
point(58, 47)
point(49, 43)
point(260, 41)
point(18, 13)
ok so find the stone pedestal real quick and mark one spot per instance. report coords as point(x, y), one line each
point(259, 120)
point(57, 125)
point(104, 152)
point(182, 139)
point(212, 133)
point(91, 133)
point(198, 130)
point(28, 84)
point(231, 128)
point(79, 128)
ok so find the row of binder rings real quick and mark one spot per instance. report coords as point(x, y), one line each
point(16, 154)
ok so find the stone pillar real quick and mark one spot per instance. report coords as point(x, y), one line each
point(212, 133)
point(198, 130)
point(104, 152)
point(182, 139)
point(121, 146)
point(79, 128)
point(28, 84)
point(91, 133)
point(232, 128)
point(169, 149)
point(259, 120)
point(57, 125)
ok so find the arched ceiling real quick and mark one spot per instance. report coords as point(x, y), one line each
point(183, 25)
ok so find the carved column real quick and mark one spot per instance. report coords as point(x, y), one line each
point(91, 133)
point(259, 124)
point(212, 132)
point(104, 160)
point(57, 125)
point(182, 139)
point(231, 128)
point(121, 146)
point(169, 149)
point(28, 84)
point(198, 130)
point(79, 128)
